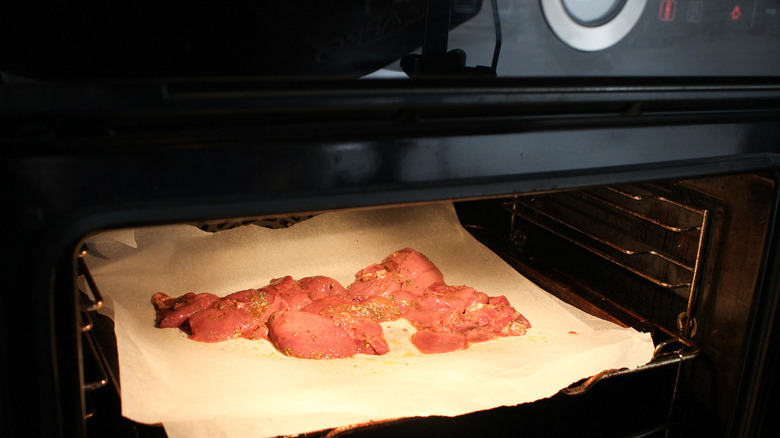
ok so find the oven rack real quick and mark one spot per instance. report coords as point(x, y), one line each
point(273, 222)
point(97, 363)
point(671, 347)
point(608, 222)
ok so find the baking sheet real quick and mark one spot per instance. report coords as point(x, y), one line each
point(246, 388)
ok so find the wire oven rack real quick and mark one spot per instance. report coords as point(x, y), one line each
point(89, 305)
point(646, 234)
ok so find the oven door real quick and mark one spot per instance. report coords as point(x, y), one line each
point(246, 149)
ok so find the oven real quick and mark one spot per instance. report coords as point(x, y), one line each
point(620, 155)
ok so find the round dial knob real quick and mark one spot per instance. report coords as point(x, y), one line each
point(591, 25)
point(592, 12)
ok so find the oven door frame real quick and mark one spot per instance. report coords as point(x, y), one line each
point(68, 149)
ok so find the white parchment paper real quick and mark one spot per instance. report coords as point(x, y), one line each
point(246, 388)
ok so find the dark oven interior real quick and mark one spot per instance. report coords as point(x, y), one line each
point(680, 259)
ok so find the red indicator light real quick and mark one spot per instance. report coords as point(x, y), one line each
point(668, 10)
point(736, 13)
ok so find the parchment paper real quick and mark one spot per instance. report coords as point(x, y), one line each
point(247, 388)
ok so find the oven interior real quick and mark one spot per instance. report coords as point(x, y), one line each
point(680, 259)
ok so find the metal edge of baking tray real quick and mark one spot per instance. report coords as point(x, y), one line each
point(685, 351)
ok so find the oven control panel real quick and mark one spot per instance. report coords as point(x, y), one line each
point(548, 38)
point(592, 25)
point(508, 38)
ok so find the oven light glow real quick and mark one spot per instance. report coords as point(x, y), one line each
point(668, 10)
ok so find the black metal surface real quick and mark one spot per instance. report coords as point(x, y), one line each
point(89, 39)
point(755, 405)
point(722, 305)
point(712, 46)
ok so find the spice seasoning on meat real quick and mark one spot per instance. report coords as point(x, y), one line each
point(342, 321)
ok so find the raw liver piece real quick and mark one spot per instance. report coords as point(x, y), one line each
point(438, 342)
point(367, 334)
point(361, 321)
point(328, 302)
point(460, 310)
point(373, 309)
point(261, 314)
point(500, 316)
point(309, 336)
point(374, 280)
point(240, 314)
point(441, 307)
point(173, 312)
point(415, 271)
point(290, 291)
point(317, 318)
point(405, 270)
point(320, 286)
point(369, 337)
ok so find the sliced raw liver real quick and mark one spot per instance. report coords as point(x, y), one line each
point(438, 342)
point(309, 336)
point(173, 312)
point(240, 314)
